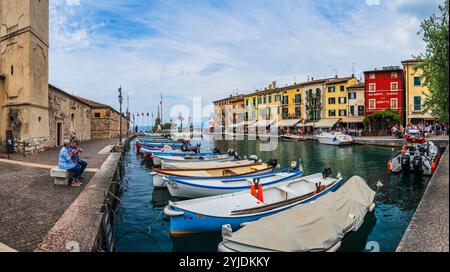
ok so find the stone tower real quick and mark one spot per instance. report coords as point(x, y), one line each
point(24, 42)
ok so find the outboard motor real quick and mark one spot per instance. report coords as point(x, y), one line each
point(417, 164)
point(184, 148)
point(326, 173)
point(406, 163)
point(273, 163)
point(217, 151)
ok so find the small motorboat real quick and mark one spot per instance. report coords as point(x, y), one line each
point(149, 153)
point(334, 138)
point(206, 164)
point(316, 226)
point(196, 187)
point(160, 158)
point(418, 156)
point(219, 172)
point(211, 213)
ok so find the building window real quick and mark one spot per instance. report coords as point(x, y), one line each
point(12, 69)
point(97, 115)
point(342, 100)
point(343, 113)
point(331, 89)
point(246, 102)
point(285, 113)
point(298, 98)
point(417, 103)
point(332, 101)
point(259, 100)
point(394, 103)
point(394, 86)
point(265, 100)
point(298, 113)
point(352, 110)
point(372, 104)
point(332, 113)
point(394, 75)
point(318, 92)
point(372, 87)
point(417, 82)
point(270, 99)
point(361, 111)
point(342, 88)
point(285, 100)
point(254, 101)
point(351, 96)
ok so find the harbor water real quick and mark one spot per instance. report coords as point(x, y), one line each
point(142, 227)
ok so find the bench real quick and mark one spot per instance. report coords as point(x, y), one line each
point(62, 177)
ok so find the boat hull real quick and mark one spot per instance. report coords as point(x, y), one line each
point(190, 223)
point(333, 141)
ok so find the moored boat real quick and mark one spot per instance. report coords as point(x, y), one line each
point(320, 225)
point(159, 158)
point(334, 138)
point(418, 156)
point(219, 172)
point(205, 164)
point(209, 214)
point(196, 187)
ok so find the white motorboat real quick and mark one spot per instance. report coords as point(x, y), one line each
point(211, 213)
point(334, 138)
point(419, 156)
point(316, 226)
point(158, 159)
point(190, 187)
point(204, 164)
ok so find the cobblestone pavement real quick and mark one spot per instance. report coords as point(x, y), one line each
point(30, 204)
point(90, 148)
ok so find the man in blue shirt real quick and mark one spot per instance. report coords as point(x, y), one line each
point(76, 158)
point(66, 162)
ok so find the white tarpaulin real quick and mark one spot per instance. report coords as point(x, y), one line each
point(288, 123)
point(315, 226)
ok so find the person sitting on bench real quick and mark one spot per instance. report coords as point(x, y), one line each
point(66, 163)
point(76, 158)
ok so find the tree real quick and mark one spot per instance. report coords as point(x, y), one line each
point(435, 63)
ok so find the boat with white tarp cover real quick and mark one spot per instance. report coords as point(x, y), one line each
point(317, 226)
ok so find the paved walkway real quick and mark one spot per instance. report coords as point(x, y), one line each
point(30, 203)
point(429, 228)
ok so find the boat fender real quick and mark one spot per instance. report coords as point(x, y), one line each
point(372, 207)
point(389, 166)
point(227, 231)
point(169, 212)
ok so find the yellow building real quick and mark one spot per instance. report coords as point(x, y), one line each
point(336, 99)
point(415, 93)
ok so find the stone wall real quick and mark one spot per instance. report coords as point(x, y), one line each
point(73, 116)
point(106, 123)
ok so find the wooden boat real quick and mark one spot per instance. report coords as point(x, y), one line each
point(334, 138)
point(158, 158)
point(312, 227)
point(219, 172)
point(205, 164)
point(195, 187)
point(211, 213)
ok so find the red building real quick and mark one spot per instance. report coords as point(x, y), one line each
point(384, 89)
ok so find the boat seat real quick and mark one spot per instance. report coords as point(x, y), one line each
point(287, 190)
point(229, 172)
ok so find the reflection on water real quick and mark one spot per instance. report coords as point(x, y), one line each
point(143, 228)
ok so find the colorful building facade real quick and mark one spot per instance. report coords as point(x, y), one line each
point(336, 99)
point(415, 93)
point(384, 89)
point(356, 106)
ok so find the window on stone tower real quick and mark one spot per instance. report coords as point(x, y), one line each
point(97, 115)
point(12, 69)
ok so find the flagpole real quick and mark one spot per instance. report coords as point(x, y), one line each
point(162, 109)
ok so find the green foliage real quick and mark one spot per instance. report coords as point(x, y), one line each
point(384, 115)
point(310, 107)
point(435, 63)
point(166, 126)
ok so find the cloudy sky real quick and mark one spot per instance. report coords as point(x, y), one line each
point(209, 49)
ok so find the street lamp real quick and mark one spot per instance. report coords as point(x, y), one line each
point(120, 118)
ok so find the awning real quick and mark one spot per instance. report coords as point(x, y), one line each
point(425, 117)
point(326, 123)
point(263, 123)
point(288, 123)
point(354, 120)
point(309, 124)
